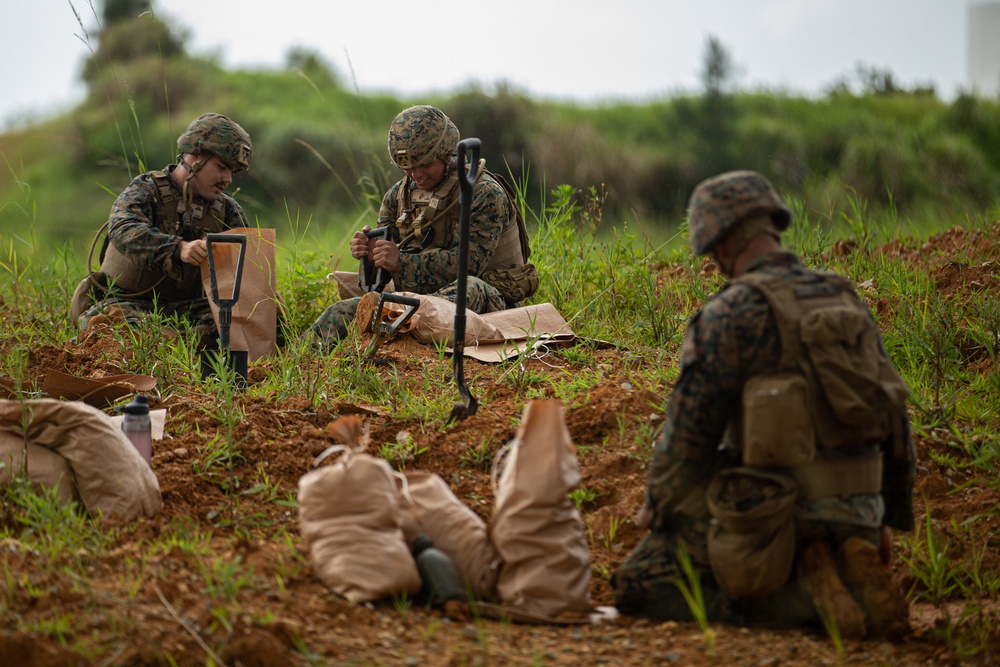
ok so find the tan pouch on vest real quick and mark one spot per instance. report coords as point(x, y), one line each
point(778, 428)
point(515, 284)
point(751, 542)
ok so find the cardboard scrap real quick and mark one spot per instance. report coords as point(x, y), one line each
point(97, 392)
point(535, 326)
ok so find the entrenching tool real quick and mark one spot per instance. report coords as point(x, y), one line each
point(469, 404)
point(384, 330)
point(372, 279)
point(236, 360)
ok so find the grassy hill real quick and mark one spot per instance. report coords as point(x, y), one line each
point(320, 155)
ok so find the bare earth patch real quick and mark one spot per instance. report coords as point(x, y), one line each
point(285, 615)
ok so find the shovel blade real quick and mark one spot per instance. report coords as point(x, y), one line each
point(234, 361)
point(462, 410)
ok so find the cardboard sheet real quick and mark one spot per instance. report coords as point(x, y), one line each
point(535, 326)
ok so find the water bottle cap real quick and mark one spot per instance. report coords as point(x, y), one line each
point(421, 543)
point(138, 406)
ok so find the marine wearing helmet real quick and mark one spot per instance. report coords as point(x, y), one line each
point(420, 134)
point(220, 136)
point(719, 204)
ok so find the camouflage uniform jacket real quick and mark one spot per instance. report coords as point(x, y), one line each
point(433, 268)
point(153, 244)
point(733, 338)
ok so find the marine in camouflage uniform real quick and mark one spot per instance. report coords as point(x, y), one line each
point(422, 213)
point(155, 242)
point(735, 337)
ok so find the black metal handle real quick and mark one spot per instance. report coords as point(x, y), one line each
point(371, 280)
point(466, 179)
point(241, 239)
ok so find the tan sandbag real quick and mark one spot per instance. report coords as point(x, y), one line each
point(45, 467)
point(536, 529)
point(349, 516)
point(111, 477)
point(435, 322)
point(255, 315)
point(455, 529)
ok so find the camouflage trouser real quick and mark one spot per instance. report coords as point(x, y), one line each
point(645, 584)
point(480, 297)
point(197, 312)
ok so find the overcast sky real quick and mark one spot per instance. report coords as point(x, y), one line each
point(586, 50)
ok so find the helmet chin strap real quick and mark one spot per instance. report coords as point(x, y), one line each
point(192, 170)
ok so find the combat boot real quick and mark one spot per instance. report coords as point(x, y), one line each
point(884, 606)
point(818, 575)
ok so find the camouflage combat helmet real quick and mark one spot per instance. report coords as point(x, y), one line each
point(420, 134)
point(220, 136)
point(720, 203)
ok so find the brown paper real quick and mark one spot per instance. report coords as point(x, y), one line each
point(110, 475)
point(255, 315)
point(98, 392)
point(349, 516)
point(536, 528)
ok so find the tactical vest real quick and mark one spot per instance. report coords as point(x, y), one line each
point(428, 219)
point(171, 216)
point(836, 398)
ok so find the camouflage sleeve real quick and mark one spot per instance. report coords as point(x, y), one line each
point(388, 213)
point(133, 231)
point(432, 269)
point(733, 337)
point(899, 468)
point(899, 473)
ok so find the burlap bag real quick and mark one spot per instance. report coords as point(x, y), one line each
point(536, 528)
point(455, 529)
point(349, 516)
point(101, 469)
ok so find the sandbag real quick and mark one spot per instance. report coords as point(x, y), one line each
point(434, 322)
point(455, 529)
point(44, 466)
point(536, 529)
point(109, 474)
point(349, 516)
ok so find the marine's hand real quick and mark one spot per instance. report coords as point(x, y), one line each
point(644, 517)
point(361, 245)
point(386, 256)
point(194, 252)
point(885, 546)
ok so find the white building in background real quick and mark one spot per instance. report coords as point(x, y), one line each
point(984, 48)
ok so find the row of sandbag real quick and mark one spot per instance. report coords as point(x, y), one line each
point(80, 452)
point(358, 518)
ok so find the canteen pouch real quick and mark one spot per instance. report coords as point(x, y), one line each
point(751, 540)
point(778, 428)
